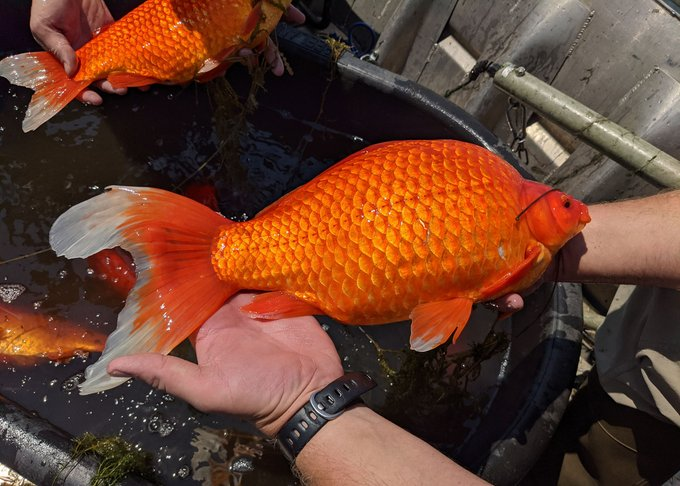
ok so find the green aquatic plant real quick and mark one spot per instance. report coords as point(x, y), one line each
point(431, 387)
point(117, 458)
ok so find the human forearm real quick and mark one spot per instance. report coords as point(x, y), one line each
point(361, 447)
point(634, 241)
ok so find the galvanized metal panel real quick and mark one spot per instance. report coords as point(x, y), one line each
point(536, 34)
point(652, 110)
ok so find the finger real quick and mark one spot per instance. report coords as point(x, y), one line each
point(294, 16)
point(174, 375)
point(107, 87)
point(509, 303)
point(273, 58)
point(90, 97)
point(57, 44)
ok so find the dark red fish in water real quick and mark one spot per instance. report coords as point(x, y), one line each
point(115, 267)
point(27, 337)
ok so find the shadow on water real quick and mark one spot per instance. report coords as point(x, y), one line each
point(302, 124)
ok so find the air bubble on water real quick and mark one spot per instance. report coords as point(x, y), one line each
point(89, 271)
point(183, 472)
point(10, 292)
point(160, 425)
point(63, 274)
point(242, 465)
point(71, 384)
point(325, 327)
point(93, 188)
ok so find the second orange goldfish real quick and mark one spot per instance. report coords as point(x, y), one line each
point(27, 337)
point(411, 229)
point(161, 41)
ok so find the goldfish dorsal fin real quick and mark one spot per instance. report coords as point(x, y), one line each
point(170, 239)
point(432, 323)
point(279, 305)
point(535, 253)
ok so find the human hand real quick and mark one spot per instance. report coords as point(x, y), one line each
point(270, 52)
point(61, 26)
point(261, 370)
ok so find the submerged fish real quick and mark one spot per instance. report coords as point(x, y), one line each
point(408, 229)
point(161, 41)
point(28, 337)
point(115, 268)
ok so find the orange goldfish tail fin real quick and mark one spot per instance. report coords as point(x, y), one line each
point(45, 75)
point(170, 238)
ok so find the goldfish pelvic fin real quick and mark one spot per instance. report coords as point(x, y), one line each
point(214, 67)
point(45, 75)
point(432, 323)
point(170, 239)
point(500, 286)
point(279, 305)
point(129, 80)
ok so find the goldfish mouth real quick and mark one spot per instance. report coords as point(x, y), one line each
point(585, 216)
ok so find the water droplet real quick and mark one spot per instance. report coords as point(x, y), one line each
point(183, 472)
point(62, 274)
point(242, 465)
point(9, 292)
point(71, 384)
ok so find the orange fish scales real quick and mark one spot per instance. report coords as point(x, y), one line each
point(425, 246)
point(392, 254)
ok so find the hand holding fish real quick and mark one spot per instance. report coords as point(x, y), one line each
point(287, 359)
point(159, 42)
point(61, 26)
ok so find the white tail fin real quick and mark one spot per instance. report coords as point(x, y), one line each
point(44, 74)
point(170, 238)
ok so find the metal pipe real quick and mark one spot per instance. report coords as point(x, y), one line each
point(42, 453)
point(614, 141)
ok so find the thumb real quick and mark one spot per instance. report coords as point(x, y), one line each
point(168, 373)
point(57, 44)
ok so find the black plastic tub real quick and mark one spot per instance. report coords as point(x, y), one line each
point(304, 122)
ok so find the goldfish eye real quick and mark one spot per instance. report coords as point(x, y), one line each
point(567, 204)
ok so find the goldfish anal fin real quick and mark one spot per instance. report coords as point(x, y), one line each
point(515, 275)
point(279, 305)
point(432, 323)
point(43, 73)
point(170, 239)
point(215, 66)
point(129, 80)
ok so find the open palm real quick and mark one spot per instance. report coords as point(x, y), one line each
point(261, 370)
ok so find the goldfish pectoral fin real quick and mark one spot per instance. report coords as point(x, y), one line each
point(170, 238)
point(432, 323)
point(129, 80)
point(279, 305)
point(531, 257)
point(43, 73)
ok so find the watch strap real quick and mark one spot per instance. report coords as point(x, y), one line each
point(324, 405)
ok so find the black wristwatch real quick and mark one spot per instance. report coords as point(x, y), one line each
point(324, 405)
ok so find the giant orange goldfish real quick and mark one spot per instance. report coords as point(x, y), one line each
point(28, 337)
point(161, 41)
point(408, 229)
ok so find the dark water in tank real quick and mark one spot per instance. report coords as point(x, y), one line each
point(169, 137)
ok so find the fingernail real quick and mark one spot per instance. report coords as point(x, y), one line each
point(119, 374)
